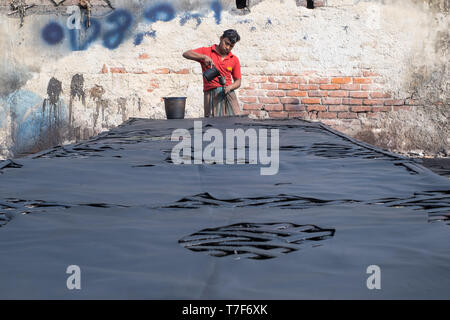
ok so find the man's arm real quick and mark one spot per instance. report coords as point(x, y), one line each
point(192, 55)
point(236, 84)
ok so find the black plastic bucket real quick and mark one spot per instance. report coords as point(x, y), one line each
point(175, 107)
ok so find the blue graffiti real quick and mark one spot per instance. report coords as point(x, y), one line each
point(217, 8)
point(122, 21)
point(140, 37)
point(53, 33)
point(93, 33)
point(160, 12)
point(188, 16)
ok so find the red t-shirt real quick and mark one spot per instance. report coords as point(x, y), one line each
point(229, 67)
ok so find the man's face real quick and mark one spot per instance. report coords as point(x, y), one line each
point(225, 45)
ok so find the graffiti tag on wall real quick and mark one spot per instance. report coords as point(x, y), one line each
point(117, 26)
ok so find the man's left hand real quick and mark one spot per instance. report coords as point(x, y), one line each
point(227, 90)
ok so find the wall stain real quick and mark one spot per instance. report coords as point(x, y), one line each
point(122, 108)
point(96, 94)
point(76, 91)
point(50, 131)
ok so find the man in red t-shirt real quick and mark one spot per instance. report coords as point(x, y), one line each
point(218, 100)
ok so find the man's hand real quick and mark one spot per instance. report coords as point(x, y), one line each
point(236, 84)
point(228, 89)
point(207, 61)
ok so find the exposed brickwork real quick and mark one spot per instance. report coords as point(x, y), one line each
point(310, 96)
point(334, 98)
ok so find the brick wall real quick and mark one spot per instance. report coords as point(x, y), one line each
point(309, 96)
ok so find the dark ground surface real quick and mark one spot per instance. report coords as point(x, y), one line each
point(142, 227)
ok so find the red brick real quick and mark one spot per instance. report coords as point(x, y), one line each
point(276, 93)
point(308, 87)
point(359, 94)
point(319, 3)
point(294, 107)
point(297, 80)
point(331, 101)
point(352, 101)
point(257, 79)
point(381, 108)
point(268, 100)
point(393, 102)
point(327, 115)
point(297, 114)
point(296, 93)
point(316, 108)
point(181, 71)
point(402, 108)
point(254, 112)
point(319, 81)
point(290, 100)
point(154, 84)
point(337, 108)
point(361, 108)
point(317, 93)
point(330, 86)
point(287, 86)
point(368, 87)
point(362, 80)
point(341, 80)
point(338, 94)
point(351, 87)
point(117, 70)
point(273, 107)
point(252, 106)
point(144, 56)
point(281, 114)
point(251, 93)
point(269, 86)
point(279, 79)
point(311, 101)
point(161, 71)
point(377, 95)
point(347, 115)
point(250, 86)
point(372, 101)
point(248, 99)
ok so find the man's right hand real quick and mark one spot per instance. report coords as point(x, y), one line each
point(207, 61)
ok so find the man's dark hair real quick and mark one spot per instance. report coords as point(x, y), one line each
point(232, 35)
